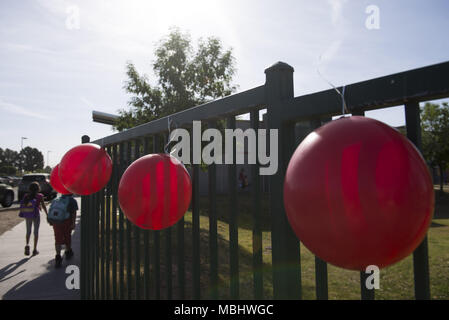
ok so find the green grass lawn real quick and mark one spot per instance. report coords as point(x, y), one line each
point(396, 282)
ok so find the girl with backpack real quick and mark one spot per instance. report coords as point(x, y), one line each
point(30, 207)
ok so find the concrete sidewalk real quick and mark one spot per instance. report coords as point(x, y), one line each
point(35, 277)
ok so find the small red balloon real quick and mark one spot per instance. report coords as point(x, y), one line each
point(155, 191)
point(358, 193)
point(56, 182)
point(85, 169)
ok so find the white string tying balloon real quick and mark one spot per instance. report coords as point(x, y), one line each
point(344, 108)
point(169, 140)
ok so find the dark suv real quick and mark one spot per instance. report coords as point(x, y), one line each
point(44, 181)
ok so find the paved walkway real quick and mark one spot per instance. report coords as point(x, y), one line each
point(34, 277)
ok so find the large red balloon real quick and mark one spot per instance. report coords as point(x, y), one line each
point(85, 169)
point(56, 182)
point(155, 191)
point(358, 193)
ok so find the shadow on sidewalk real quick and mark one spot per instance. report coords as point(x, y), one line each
point(10, 268)
point(51, 285)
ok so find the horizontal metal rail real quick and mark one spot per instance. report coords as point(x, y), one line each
point(231, 105)
point(421, 84)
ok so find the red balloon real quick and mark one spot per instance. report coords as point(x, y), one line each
point(56, 182)
point(85, 169)
point(155, 191)
point(358, 193)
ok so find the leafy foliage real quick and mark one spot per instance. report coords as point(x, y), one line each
point(31, 159)
point(435, 134)
point(9, 158)
point(186, 77)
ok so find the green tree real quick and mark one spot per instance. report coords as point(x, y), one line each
point(31, 159)
point(435, 136)
point(185, 78)
point(9, 158)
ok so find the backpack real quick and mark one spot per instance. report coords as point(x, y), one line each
point(59, 210)
point(29, 209)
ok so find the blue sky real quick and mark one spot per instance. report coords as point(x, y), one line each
point(53, 74)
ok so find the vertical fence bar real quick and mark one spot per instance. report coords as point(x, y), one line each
point(213, 235)
point(181, 257)
point(365, 293)
point(121, 227)
point(233, 224)
point(136, 231)
point(321, 280)
point(91, 242)
point(421, 254)
point(93, 252)
point(108, 234)
point(157, 244)
point(285, 245)
point(168, 242)
point(88, 247)
point(96, 236)
point(102, 252)
point(196, 260)
point(83, 249)
point(257, 229)
point(129, 268)
point(84, 246)
point(114, 221)
point(146, 242)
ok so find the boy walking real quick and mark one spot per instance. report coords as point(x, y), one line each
point(62, 217)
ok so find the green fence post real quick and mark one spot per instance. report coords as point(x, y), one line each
point(285, 245)
point(114, 221)
point(146, 241)
point(157, 243)
point(121, 226)
point(136, 231)
point(84, 246)
point(257, 216)
point(421, 254)
point(233, 222)
point(213, 234)
point(196, 260)
point(129, 268)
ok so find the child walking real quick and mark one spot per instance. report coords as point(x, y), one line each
point(62, 217)
point(30, 207)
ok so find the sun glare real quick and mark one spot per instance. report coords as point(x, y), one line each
point(141, 16)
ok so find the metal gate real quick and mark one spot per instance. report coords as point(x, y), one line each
point(121, 261)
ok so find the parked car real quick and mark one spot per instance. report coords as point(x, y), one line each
point(10, 180)
point(6, 195)
point(14, 181)
point(44, 182)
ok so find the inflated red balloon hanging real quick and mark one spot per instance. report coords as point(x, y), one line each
point(85, 169)
point(358, 193)
point(155, 191)
point(56, 182)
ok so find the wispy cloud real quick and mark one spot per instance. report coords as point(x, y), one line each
point(19, 110)
point(336, 10)
point(22, 48)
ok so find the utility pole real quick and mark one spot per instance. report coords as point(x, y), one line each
point(20, 158)
point(21, 143)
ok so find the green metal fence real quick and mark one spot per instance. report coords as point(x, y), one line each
point(120, 261)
